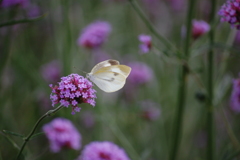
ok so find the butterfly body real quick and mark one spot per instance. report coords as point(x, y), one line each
point(109, 75)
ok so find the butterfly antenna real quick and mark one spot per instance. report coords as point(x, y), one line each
point(79, 70)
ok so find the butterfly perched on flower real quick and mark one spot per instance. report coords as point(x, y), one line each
point(109, 75)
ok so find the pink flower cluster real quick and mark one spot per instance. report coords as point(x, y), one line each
point(62, 134)
point(230, 12)
point(103, 151)
point(199, 28)
point(235, 96)
point(94, 35)
point(146, 43)
point(72, 90)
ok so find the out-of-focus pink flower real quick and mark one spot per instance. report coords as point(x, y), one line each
point(140, 74)
point(177, 5)
point(33, 10)
point(237, 38)
point(62, 134)
point(199, 27)
point(94, 35)
point(7, 78)
point(150, 110)
point(200, 139)
point(12, 3)
point(153, 8)
point(88, 119)
point(99, 56)
point(146, 43)
point(103, 151)
point(43, 100)
point(230, 12)
point(235, 96)
point(73, 90)
point(51, 71)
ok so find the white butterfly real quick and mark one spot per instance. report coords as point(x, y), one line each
point(109, 75)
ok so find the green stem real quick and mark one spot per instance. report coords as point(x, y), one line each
point(177, 130)
point(49, 113)
point(210, 108)
point(150, 26)
point(66, 55)
point(9, 23)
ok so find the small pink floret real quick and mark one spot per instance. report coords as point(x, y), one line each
point(146, 43)
point(199, 27)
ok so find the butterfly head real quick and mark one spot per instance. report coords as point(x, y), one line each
point(88, 75)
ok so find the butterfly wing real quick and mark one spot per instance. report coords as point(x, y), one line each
point(117, 69)
point(103, 64)
point(112, 78)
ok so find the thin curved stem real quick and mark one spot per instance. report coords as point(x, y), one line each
point(13, 22)
point(168, 45)
point(49, 113)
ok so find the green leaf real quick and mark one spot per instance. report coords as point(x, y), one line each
point(13, 133)
point(221, 89)
point(11, 141)
point(204, 48)
point(4, 132)
point(36, 135)
point(234, 155)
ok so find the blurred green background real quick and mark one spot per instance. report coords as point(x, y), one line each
point(117, 117)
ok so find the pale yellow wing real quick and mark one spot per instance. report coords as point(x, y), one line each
point(116, 69)
point(108, 81)
point(103, 64)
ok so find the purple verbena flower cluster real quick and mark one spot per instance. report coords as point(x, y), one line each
point(94, 35)
point(230, 12)
point(146, 43)
point(103, 151)
point(235, 96)
point(72, 90)
point(62, 134)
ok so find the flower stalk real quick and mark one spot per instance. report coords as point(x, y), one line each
point(177, 127)
point(209, 103)
point(49, 113)
point(66, 54)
